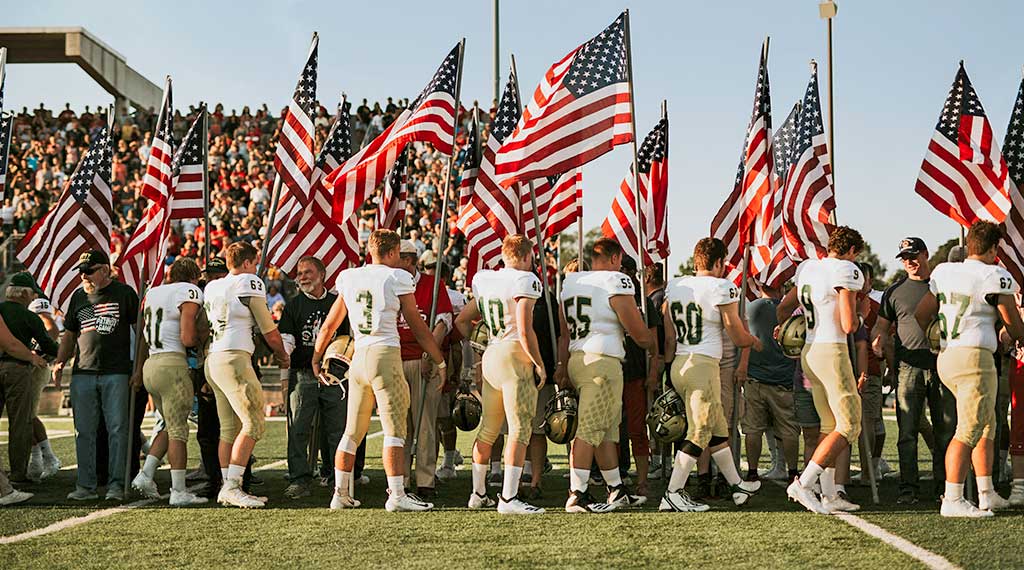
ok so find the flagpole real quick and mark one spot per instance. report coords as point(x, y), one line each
point(827, 11)
point(439, 271)
point(206, 185)
point(538, 233)
point(3, 65)
point(640, 249)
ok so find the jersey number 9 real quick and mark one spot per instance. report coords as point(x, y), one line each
point(808, 305)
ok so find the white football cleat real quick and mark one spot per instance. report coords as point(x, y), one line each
point(742, 491)
point(51, 466)
point(516, 506)
point(34, 471)
point(1017, 497)
point(406, 503)
point(186, 499)
point(838, 504)
point(445, 473)
point(342, 500)
point(680, 502)
point(582, 502)
point(805, 497)
point(14, 497)
point(145, 486)
point(992, 501)
point(480, 502)
point(620, 497)
point(232, 495)
point(961, 508)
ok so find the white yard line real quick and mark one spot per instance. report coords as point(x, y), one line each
point(926, 557)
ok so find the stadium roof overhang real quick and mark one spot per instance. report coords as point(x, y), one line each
point(76, 45)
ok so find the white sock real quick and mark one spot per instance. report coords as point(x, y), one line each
point(810, 474)
point(449, 458)
point(681, 469)
point(495, 467)
point(44, 446)
point(480, 479)
point(511, 487)
point(178, 480)
point(396, 485)
point(985, 484)
point(726, 466)
point(1018, 484)
point(235, 471)
point(342, 479)
point(149, 468)
point(840, 488)
point(528, 468)
point(828, 482)
point(612, 478)
point(954, 492)
point(579, 479)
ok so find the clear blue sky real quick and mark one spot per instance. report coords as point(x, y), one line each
point(894, 62)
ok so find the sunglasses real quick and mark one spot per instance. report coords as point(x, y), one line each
point(90, 271)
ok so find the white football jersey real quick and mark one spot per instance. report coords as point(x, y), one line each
point(371, 295)
point(496, 293)
point(693, 305)
point(161, 313)
point(231, 322)
point(593, 325)
point(966, 316)
point(816, 283)
point(458, 300)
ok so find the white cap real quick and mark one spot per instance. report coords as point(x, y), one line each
point(407, 247)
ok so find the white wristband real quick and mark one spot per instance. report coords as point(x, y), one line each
point(442, 365)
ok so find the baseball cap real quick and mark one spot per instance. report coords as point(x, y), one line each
point(91, 259)
point(428, 259)
point(407, 247)
point(24, 279)
point(216, 265)
point(911, 246)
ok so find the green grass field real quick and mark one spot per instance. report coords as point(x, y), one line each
point(769, 533)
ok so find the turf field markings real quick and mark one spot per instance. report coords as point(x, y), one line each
point(926, 557)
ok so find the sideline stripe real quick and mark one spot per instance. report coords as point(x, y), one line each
point(926, 557)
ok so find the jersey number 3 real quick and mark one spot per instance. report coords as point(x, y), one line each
point(365, 323)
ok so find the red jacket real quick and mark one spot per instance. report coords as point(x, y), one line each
point(411, 349)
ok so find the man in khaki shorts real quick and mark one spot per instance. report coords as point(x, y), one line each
point(372, 296)
point(971, 298)
point(236, 305)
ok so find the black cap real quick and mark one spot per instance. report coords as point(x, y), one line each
point(25, 279)
point(628, 264)
point(90, 260)
point(216, 265)
point(911, 246)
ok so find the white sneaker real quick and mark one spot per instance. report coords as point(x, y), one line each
point(1017, 497)
point(839, 504)
point(34, 471)
point(620, 497)
point(363, 480)
point(51, 466)
point(445, 473)
point(991, 501)
point(145, 486)
point(232, 495)
point(883, 467)
point(14, 497)
point(654, 474)
point(186, 499)
point(516, 506)
point(582, 502)
point(961, 508)
point(742, 491)
point(406, 503)
point(116, 493)
point(480, 502)
point(342, 500)
point(680, 502)
point(805, 497)
point(776, 473)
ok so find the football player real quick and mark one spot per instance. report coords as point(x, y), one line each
point(236, 305)
point(596, 306)
point(512, 369)
point(970, 298)
point(697, 310)
point(374, 295)
point(827, 290)
point(170, 313)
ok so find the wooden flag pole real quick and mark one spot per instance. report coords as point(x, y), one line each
point(640, 242)
point(441, 234)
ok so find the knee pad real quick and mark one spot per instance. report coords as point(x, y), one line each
point(691, 449)
point(347, 445)
point(717, 440)
point(391, 441)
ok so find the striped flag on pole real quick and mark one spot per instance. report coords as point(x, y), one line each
point(187, 171)
point(620, 224)
point(1011, 248)
point(579, 111)
point(394, 194)
point(559, 204)
point(484, 243)
point(782, 267)
point(963, 174)
point(78, 222)
point(293, 160)
point(337, 245)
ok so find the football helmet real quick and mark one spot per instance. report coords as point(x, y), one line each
point(479, 337)
point(466, 411)
point(793, 335)
point(337, 359)
point(667, 418)
point(560, 416)
point(935, 335)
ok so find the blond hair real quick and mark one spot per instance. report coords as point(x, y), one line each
point(382, 242)
point(515, 247)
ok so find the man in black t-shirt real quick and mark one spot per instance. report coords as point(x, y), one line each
point(98, 333)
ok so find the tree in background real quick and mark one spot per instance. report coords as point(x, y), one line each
point(569, 247)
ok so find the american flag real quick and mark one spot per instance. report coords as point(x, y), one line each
point(559, 204)
point(141, 262)
point(470, 163)
point(431, 118)
point(471, 223)
point(620, 224)
point(1011, 248)
point(782, 267)
point(963, 174)
point(6, 127)
point(337, 245)
point(744, 220)
point(293, 160)
point(102, 316)
point(78, 222)
point(580, 111)
point(394, 194)
point(808, 193)
point(187, 171)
